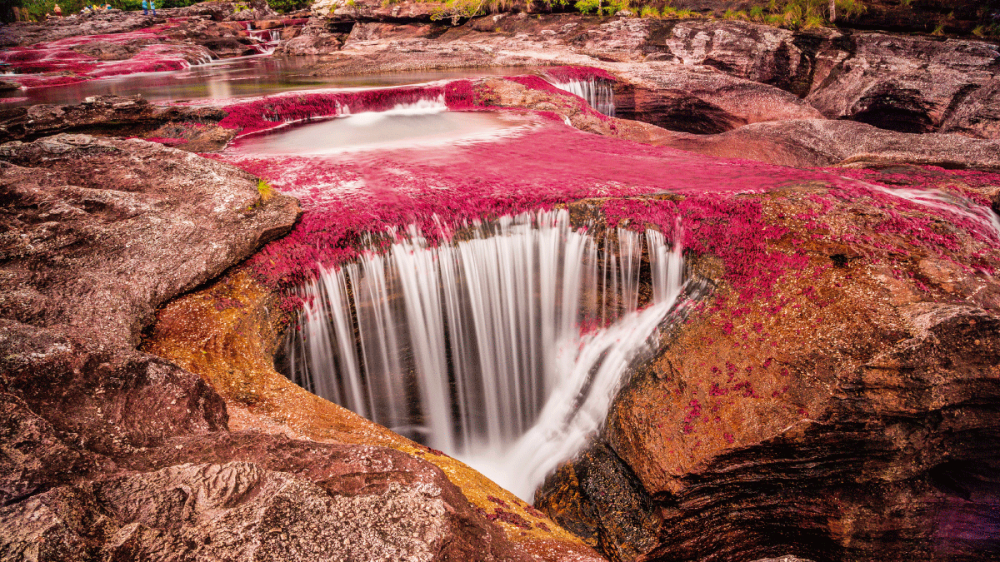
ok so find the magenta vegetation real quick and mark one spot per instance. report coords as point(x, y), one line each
point(65, 61)
point(715, 208)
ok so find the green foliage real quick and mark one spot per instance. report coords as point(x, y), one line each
point(649, 12)
point(735, 15)
point(457, 10)
point(285, 6)
point(671, 12)
point(265, 189)
point(850, 8)
point(587, 6)
point(757, 13)
point(612, 7)
point(796, 14)
point(987, 30)
point(38, 8)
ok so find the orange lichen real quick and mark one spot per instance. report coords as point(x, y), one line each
point(228, 333)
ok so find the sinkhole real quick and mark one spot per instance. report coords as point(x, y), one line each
point(502, 346)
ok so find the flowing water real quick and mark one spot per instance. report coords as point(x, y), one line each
point(425, 123)
point(235, 78)
point(507, 344)
point(598, 93)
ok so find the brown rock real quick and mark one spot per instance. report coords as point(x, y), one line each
point(241, 511)
point(844, 423)
point(68, 248)
point(879, 83)
point(817, 142)
point(979, 113)
point(130, 115)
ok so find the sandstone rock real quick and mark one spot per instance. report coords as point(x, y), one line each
point(701, 99)
point(102, 23)
point(906, 84)
point(978, 115)
point(113, 114)
point(366, 10)
point(98, 400)
point(760, 53)
point(817, 142)
point(874, 417)
point(240, 511)
point(217, 212)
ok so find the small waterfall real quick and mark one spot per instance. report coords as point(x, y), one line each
point(508, 343)
point(265, 40)
point(598, 93)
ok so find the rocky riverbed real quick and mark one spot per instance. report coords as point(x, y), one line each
point(831, 392)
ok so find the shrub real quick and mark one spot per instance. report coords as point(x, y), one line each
point(285, 6)
point(265, 190)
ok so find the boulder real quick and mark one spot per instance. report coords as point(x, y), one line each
point(65, 191)
point(313, 502)
point(978, 115)
point(700, 99)
point(760, 53)
point(906, 84)
point(369, 10)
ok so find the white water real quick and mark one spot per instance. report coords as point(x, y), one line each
point(476, 348)
point(265, 40)
point(950, 203)
point(598, 94)
point(422, 124)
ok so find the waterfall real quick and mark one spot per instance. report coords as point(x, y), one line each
point(507, 343)
point(598, 93)
point(265, 41)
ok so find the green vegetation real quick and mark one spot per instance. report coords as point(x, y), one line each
point(285, 6)
point(38, 8)
point(985, 31)
point(265, 190)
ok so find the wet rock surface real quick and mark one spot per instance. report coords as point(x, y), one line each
point(110, 115)
point(874, 416)
point(109, 452)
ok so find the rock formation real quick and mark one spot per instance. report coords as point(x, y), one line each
point(833, 398)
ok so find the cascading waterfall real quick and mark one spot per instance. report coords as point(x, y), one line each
point(265, 40)
point(598, 93)
point(507, 344)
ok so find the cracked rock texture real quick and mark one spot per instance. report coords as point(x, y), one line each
point(109, 453)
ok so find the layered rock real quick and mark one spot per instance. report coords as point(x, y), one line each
point(906, 84)
point(818, 142)
point(194, 129)
point(112, 452)
point(836, 397)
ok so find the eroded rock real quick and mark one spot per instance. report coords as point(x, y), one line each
point(906, 84)
point(830, 418)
